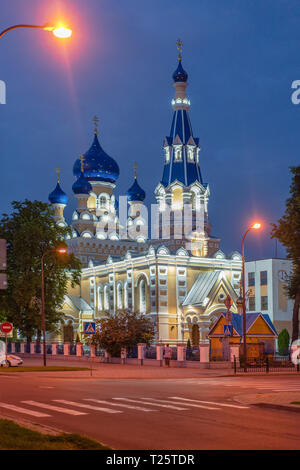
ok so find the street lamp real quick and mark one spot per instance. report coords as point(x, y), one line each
point(255, 226)
point(56, 250)
point(58, 31)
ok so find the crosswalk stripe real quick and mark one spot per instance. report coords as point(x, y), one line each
point(209, 402)
point(179, 403)
point(152, 404)
point(23, 410)
point(54, 408)
point(118, 404)
point(91, 407)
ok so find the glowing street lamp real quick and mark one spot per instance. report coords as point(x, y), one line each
point(58, 31)
point(56, 250)
point(254, 226)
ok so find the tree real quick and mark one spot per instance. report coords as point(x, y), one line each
point(124, 329)
point(30, 231)
point(287, 231)
point(195, 336)
point(283, 342)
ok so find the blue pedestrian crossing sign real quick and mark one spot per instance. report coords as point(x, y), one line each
point(89, 327)
point(227, 330)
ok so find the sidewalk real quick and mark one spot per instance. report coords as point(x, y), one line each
point(279, 400)
point(107, 371)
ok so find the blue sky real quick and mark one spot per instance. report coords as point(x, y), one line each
point(241, 57)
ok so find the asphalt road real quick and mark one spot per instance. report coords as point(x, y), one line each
point(181, 413)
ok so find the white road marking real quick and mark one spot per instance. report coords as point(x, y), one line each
point(118, 404)
point(91, 407)
point(179, 403)
point(54, 408)
point(208, 402)
point(150, 403)
point(23, 410)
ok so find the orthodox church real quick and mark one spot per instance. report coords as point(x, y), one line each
point(177, 274)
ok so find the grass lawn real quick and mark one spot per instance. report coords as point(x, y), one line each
point(295, 402)
point(41, 369)
point(15, 437)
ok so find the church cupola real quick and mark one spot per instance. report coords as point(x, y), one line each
point(58, 199)
point(135, 193)
point(98, 165)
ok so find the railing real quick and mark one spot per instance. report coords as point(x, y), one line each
point(267, 364)
point(193, 354)
point(132, 353)
point(150, 352)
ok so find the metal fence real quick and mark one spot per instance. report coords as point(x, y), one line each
point(150, 352)
point(193, 354)
point(268, 364)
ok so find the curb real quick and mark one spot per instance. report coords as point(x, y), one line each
point(294, 409)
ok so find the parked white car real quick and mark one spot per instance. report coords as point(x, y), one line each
point(12, 360)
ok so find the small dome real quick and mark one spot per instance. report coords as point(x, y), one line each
point(135, 193)
point(82, 186)
point(98, 166)
point(58, 196)
point(180, 74)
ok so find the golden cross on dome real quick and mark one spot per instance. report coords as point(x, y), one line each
point(58, 173)
point(81, 160)
point(179, 47)
point(96, 120)
point(135, 170)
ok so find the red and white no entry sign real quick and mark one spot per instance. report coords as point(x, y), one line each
point(6, 327)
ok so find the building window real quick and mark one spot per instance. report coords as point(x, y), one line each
point(126, 295)
point(251, 304)
point(264, 302)
point(100, 304)
point(263, 278)
point(251, 279)
point(142, 296)
point(106, 298)
point(119, 297)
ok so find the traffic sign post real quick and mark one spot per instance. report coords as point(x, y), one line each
point(89, 328)
point(6, 328)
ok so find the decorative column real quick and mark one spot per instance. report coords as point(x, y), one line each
point(22, 348)
point(123, 355)
point(107, 356)
point(181, 355)
point(54, 349)
point(160, 354)
point(32, 348)
point(66, 349)
point(78, 349)
point(92, 351)
point(141, 353)
point(204, 353)
point(13, 348)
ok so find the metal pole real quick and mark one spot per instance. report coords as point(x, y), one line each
point(43, 311)
point(244, 302)
point(21, 26)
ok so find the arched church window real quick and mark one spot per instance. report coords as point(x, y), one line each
point(100, 303)
point(119, 297)
point(106, 298)
point(126, 295)
point(178, 154)
point(142, 296)
point(103, 202)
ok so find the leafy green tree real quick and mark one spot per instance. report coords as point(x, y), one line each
point(287, 231)
point(195, 336)
point(283, 341)
point(124, 329)
point(30, 231)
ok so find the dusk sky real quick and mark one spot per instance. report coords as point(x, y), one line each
point(241, 58)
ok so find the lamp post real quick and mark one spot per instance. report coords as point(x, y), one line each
point(254, 226)
point(57, 250)
point(60, 31)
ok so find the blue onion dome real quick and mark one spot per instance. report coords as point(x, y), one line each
point(98, 166)
point(58, 196)
point(180, 74)
point(135, 193)
point(81, 185)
